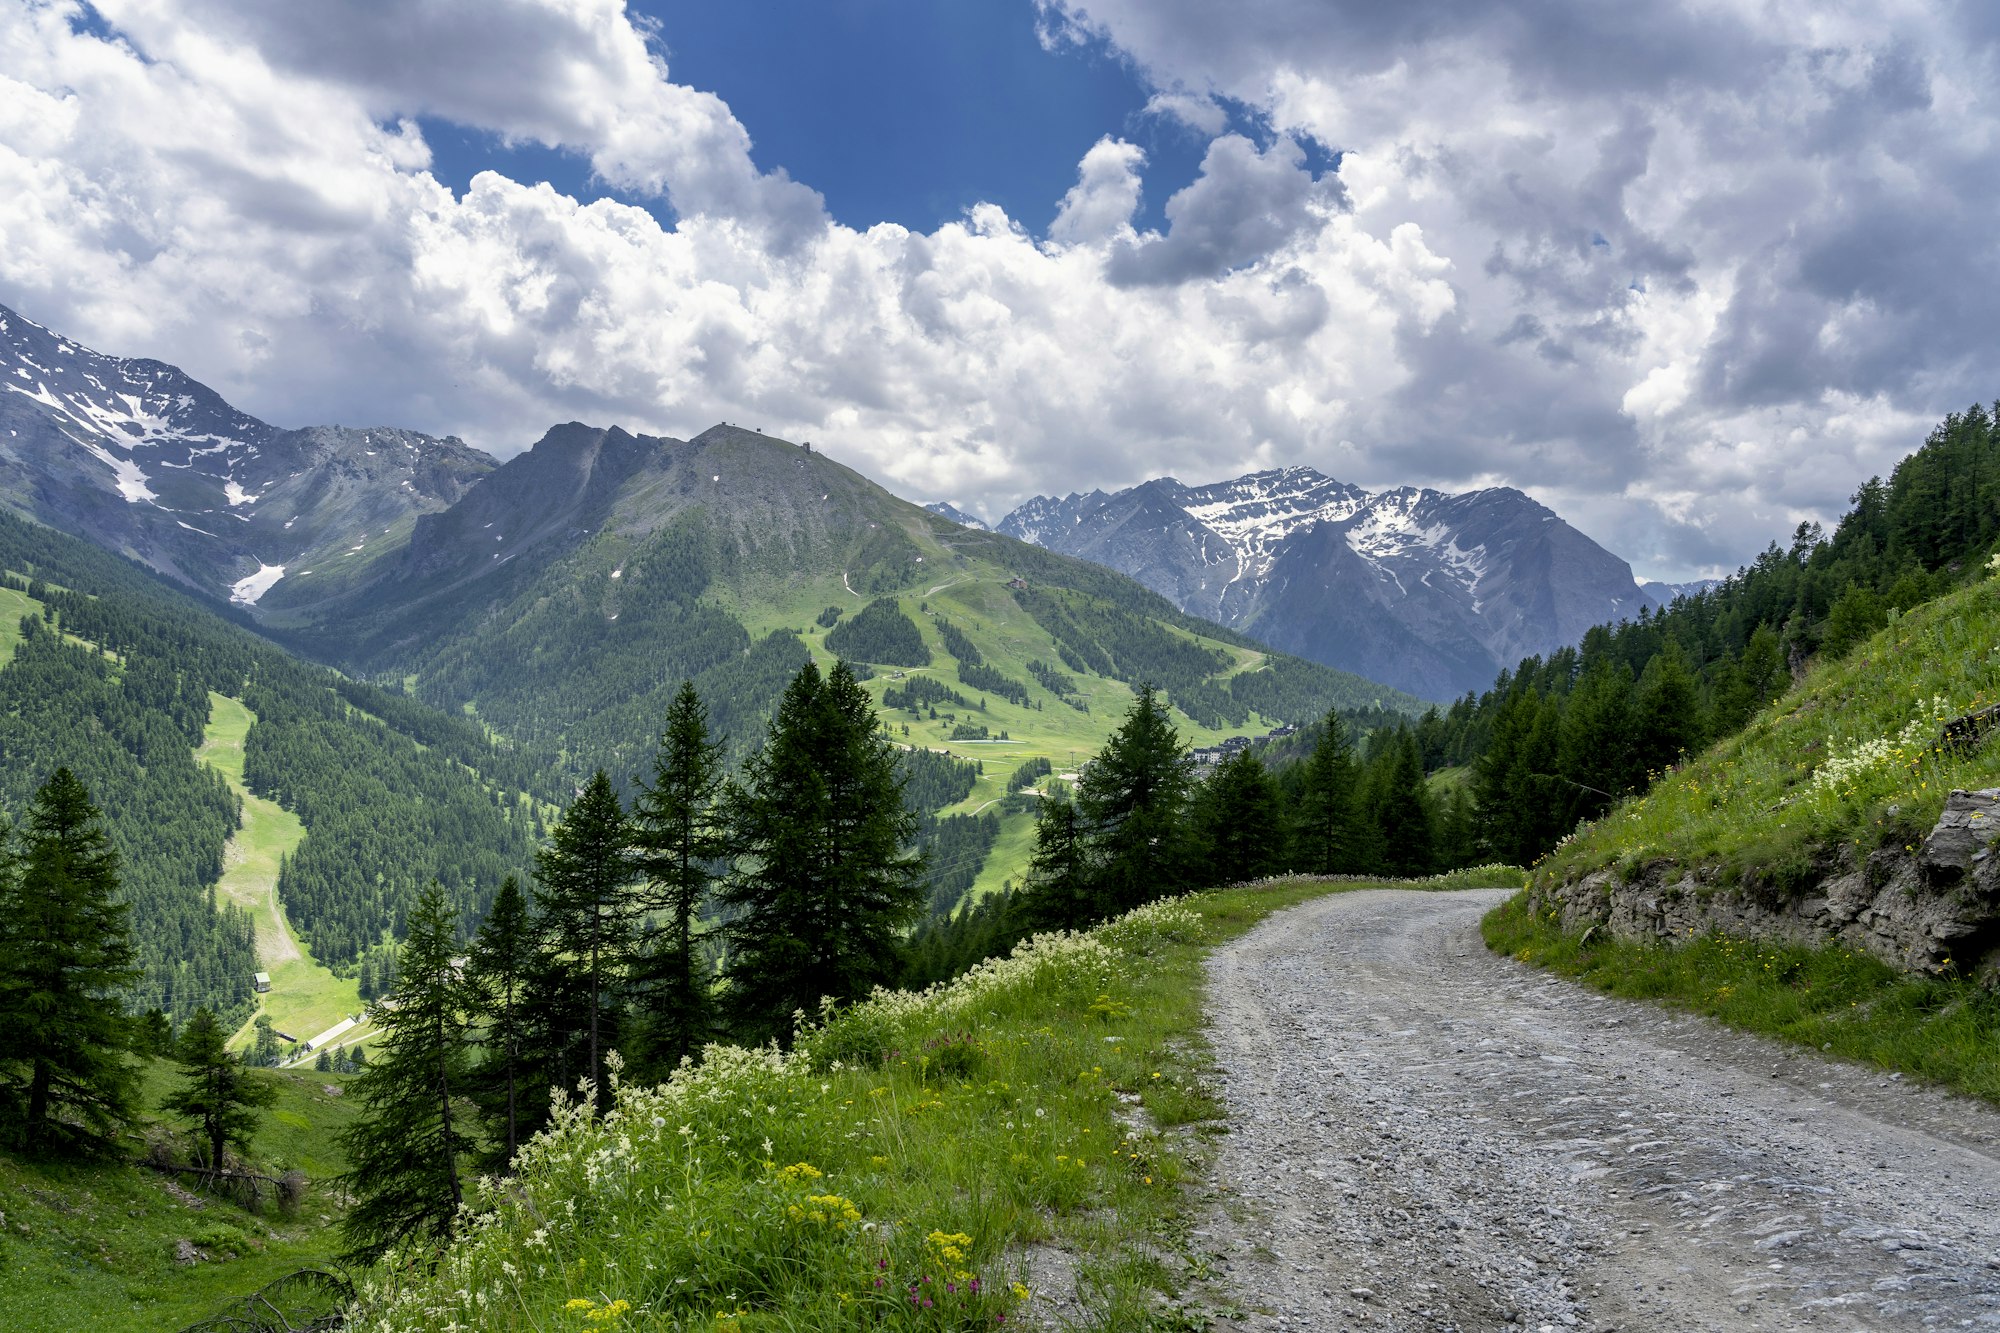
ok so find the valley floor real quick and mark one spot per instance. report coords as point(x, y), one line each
point(1428, 1136)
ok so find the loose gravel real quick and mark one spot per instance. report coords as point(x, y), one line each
point(1425, 1136)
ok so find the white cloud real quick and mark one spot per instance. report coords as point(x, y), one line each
point(1678, 233)
point(1106, 194)
point(1204, 115)
point(1750, 261)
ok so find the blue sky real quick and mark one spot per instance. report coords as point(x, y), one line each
point(906, 111)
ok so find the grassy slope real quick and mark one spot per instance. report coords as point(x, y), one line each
point(1752, 806)
point(1845, 1002)
point(305, 999)
point(13, 605)
point(976, 600)
point(1765, 802)
point(91, 1246)
point(1059, 1102)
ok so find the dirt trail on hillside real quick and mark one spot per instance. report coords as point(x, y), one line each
point(1426, 1136)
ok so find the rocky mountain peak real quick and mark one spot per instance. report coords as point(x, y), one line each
point(1424, 590)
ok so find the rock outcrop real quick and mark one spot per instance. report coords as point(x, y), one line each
point(1931, 909)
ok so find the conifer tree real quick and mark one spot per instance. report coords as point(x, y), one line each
point(1058, 894)
point(676, 840)
point(585, 903)
point(1667, 720)
point(1132, 798)
point(65, 955)
point(1401, 807)
point(1238, 821)
point(498, 968)
point(1327, 837)
point(824, 882)
point(1595, 755)
point(218, 1097)
point(404, 1152)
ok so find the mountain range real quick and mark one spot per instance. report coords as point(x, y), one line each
point(562, 595)
point(372, 547)
point(1430, 592)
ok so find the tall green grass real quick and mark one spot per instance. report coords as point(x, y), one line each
point(901, 1168)
point(1835, 999)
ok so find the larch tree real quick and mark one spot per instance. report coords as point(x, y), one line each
point(824, 881)
point(218, 1095)
point(1238, 821)
point(1132, 799)
point(66, 956)
point(404, 1151)
point(584, 899)
point(676, 843)
point(1058, 892)
point(498, 968)
point(1326, 832)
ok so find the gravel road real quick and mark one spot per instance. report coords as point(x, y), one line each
point(1426, 1136)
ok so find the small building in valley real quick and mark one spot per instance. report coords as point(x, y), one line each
point(261, 982)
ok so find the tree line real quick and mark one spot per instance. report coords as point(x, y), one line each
point(1563, 737)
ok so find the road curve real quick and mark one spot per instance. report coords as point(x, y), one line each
point(1426, 1136)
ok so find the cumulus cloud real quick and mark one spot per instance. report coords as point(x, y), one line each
point(1106, 194)
point(1204, 115)
point(1687, 272)
point(1246, 204)
point(1682, 235)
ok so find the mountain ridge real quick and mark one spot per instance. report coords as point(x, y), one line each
point(1431, 592)
point(140, 458)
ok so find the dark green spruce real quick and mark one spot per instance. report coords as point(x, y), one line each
point(66, 958)
point(676, 843)
point(219, 1097)
point(404, 1152)
point(824, 882)
point(584, 899)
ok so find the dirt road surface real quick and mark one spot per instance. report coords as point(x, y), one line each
point(1426, 1136)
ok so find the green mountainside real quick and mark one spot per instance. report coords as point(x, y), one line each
point(1563, 739)
point(565, 598)
point(176, 721)
point(98, 1244)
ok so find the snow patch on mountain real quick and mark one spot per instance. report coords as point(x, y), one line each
point(247, 590)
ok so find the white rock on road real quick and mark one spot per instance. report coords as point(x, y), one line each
point(1426, 1136)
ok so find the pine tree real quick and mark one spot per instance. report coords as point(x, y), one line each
point(65, 955)
point(1132, 798)
point(1596, 758)
point(1327, 837)
point(1667, 715)
point(1400, 806)
point(823, 884)
point(498, 968)
point(404, 1152)
point(676, 840)
point(585, 903)
point(1238, 821)
point(218, 1096)
point(1058, 894)
point(264, 1047)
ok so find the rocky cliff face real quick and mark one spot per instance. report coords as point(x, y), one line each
point(1932, 909)
point(1429, 592)
point(138, 457)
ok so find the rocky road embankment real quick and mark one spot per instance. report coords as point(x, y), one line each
point(1426, 1136)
